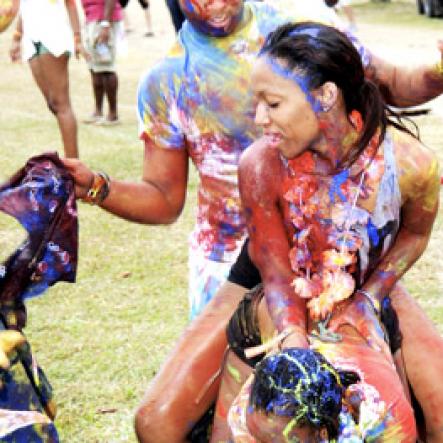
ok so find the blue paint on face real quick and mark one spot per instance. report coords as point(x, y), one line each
point(301, 81)
point(199, 20)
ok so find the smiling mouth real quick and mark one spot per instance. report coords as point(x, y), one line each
point(219, 22)
point(272, 138)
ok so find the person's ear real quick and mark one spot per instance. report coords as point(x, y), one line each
point(327, 95)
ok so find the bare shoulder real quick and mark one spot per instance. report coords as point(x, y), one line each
point(417, 164)
point(259, 170)
point(258, 158)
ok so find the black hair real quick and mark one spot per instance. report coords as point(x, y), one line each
point(322, 53)
point(302, 385)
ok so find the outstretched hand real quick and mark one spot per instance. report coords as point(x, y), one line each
point(358, 313)
point(82, 175)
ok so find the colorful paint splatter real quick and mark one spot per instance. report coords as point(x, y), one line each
point(331, 230)
point(41, 197)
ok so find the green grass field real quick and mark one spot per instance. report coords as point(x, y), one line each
point(102, 339)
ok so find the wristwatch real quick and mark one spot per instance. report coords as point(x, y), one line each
point(105, 24)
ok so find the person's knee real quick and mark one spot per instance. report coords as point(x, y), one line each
point(153, 423)
point(58, 105)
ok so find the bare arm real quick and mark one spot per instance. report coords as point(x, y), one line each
point(259, 176)
point(157, 199)
point(403, 86)
point(420, 187)
point(15, 50)
point(71, 8)
point(107, 16)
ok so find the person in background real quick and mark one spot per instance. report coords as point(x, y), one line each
point(104, 27)
point(148, 20)
point(48, 32)
point(346, 7)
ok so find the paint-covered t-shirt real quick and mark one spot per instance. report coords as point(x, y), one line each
point(198, 98)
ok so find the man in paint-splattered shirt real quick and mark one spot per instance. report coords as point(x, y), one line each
point(198, 100)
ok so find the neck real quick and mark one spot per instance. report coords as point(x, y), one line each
point(336, 142)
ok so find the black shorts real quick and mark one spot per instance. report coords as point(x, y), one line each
point(243, 272)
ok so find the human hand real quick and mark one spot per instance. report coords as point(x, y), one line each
point(15, 52)
point(296, 339)
point(82, 175)
point(85, 54)
point(359, 313)
point(80, 50)
point(103, 35)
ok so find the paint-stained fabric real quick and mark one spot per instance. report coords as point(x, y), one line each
point(41, 197)
point(198, 98)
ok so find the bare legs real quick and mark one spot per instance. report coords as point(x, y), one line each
point(186, 385)
point(349, 12)
point(422, 349)
point(51, 75)
point(105, 83)
point(145, 5)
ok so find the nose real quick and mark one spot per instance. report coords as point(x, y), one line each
point(216, 6)
point(261, 114)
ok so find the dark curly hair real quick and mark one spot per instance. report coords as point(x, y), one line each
point(303, 385)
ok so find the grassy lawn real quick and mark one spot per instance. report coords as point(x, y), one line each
point(102, 339)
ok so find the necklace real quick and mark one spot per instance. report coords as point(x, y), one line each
point(323, 211)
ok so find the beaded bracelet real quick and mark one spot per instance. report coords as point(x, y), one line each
point(375, 303)
point(99, 189)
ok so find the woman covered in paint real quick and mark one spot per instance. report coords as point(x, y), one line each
point(339, 203)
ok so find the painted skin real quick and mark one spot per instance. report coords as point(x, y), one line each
point(213, 17)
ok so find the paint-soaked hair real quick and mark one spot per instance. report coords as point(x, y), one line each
point(321, 53)
point(302, 385)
